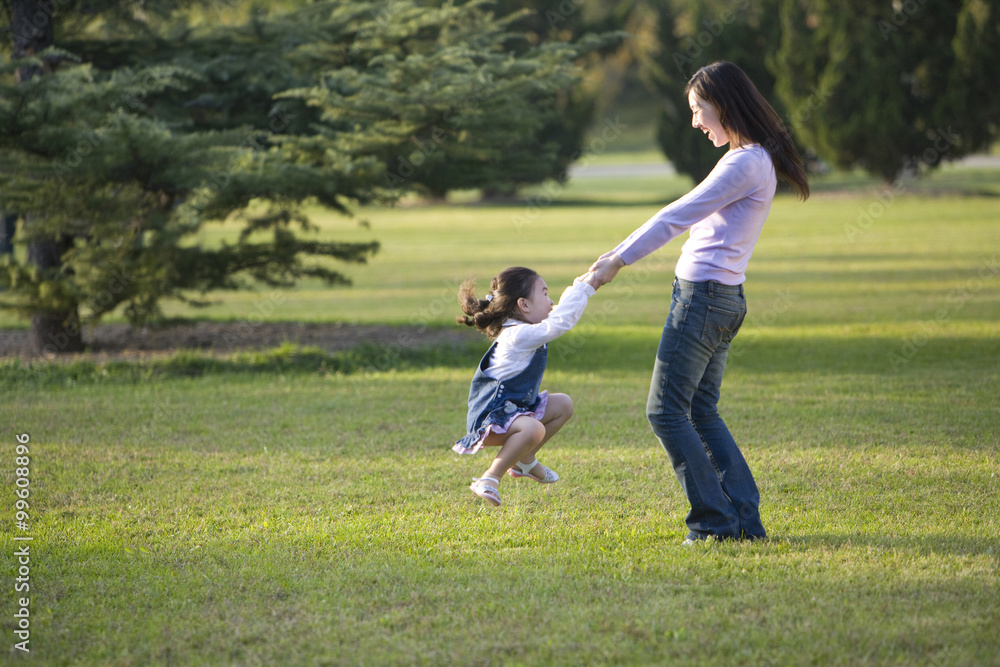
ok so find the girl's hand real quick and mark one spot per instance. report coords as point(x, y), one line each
point(604, 270)
point(588, 278)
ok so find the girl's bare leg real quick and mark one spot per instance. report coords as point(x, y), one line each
point(524, 435)
point(558, 411)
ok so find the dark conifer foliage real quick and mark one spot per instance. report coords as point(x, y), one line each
point(129, 132)
point(892, 88)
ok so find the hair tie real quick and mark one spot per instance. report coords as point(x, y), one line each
point(489, 297)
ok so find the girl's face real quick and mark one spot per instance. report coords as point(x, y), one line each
point(538, 305)
point(705, 117)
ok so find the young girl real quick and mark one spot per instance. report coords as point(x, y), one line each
point(506, 409)
point(725, 214)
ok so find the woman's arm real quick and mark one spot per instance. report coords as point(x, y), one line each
point(737, 175)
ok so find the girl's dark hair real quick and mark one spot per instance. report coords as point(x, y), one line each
point(748, 118)
point(488, 315)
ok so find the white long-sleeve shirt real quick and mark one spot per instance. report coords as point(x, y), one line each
point(519, 340)
point(725, 214)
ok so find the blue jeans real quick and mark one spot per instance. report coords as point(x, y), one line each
point(682, 409)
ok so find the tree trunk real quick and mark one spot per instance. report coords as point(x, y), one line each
point(31, 25)
point(52, 332)
point(8, 222)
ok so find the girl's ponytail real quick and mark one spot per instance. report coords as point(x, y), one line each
point(474, 308)
point(500, 303)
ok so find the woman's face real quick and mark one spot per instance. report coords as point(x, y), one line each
point(705, 117)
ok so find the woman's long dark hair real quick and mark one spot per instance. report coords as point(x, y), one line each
point(748, 118)
point(499, 304)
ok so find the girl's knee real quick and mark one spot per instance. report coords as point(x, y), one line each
point(535, 430)
point(531, 428)
point(561, 405)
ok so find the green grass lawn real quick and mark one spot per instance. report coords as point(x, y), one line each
point(299, 508)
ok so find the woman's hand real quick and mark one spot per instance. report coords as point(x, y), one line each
point(604, 270)
point(589, 279)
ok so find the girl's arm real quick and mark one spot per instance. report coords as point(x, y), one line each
point(563, 317)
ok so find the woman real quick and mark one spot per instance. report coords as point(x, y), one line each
point(725, 214)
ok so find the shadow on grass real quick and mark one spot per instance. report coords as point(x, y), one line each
point(866, 356)
point(963, 182)
point(752, 353)
point(971, 272)
point(592, 351)
point(957, 544)
point(287, 359)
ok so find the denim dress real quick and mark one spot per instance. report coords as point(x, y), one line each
point(494, 404)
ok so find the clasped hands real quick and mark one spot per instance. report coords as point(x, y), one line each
point(604, 270)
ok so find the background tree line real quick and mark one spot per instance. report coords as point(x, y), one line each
point(128, 127)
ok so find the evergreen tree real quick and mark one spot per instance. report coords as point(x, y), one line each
point(536, 22)
point(510, 125)
point(463, 108)
point(122, 145)
point(892, 88)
